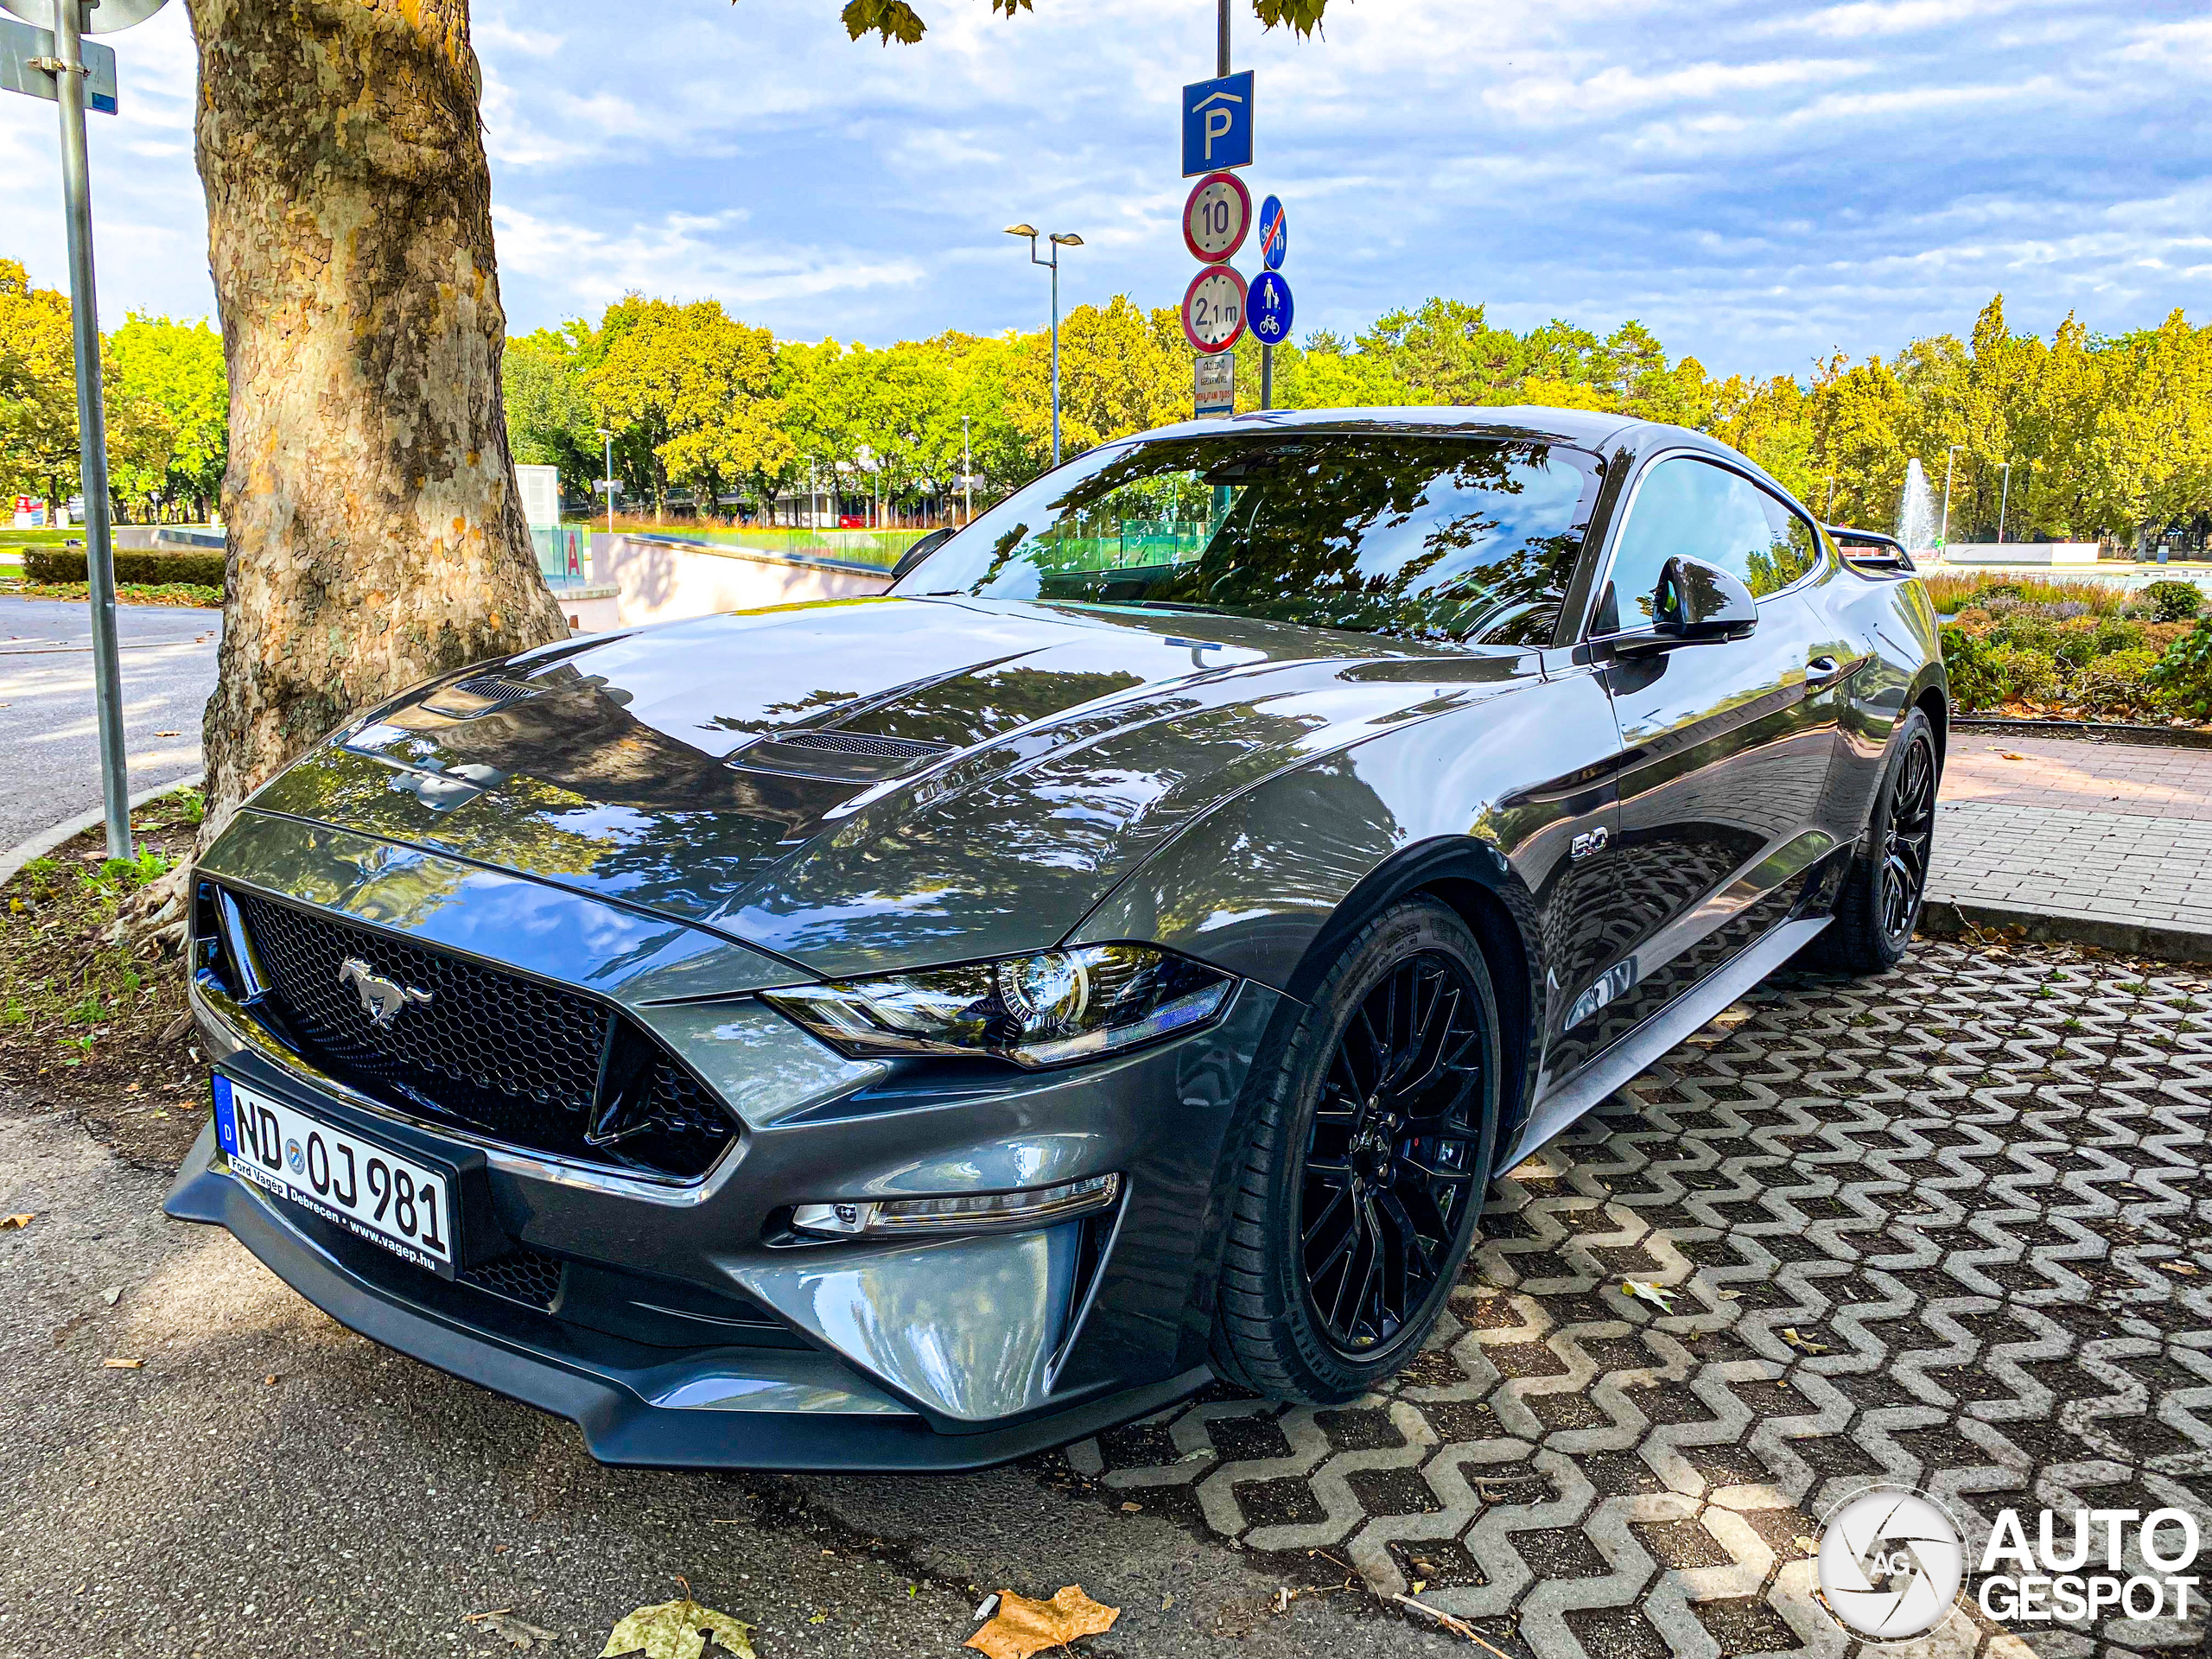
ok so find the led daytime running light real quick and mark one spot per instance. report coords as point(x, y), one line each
point(967, 1212)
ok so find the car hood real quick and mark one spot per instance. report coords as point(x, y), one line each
point(862, 784)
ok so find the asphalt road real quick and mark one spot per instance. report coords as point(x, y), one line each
point(47, 726)
point(268, 1482)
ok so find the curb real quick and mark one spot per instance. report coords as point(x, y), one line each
point(46, 840)
point(1949, 919)
point(2093, 731)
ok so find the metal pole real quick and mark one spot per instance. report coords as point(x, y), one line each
point(1266, 376)
point(92, 427)
point(1056, 348)
point(1950, 455)
point(2002, 501)
point(1827, 513)
point(1223, 53)
point(966, 470)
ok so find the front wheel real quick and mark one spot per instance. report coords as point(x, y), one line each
point(1368, 1160)
point(1888, 878)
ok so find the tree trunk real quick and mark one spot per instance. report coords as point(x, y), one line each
point(375, 534)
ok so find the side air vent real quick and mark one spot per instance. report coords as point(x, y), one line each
point(847, 757)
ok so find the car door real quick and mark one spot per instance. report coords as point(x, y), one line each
point(1726, 746)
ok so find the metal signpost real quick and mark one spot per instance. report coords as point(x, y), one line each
point(1270, 295)
point(67, 69)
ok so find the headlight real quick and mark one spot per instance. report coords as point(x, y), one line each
point(1046, 1009)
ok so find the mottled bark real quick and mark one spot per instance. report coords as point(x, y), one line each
point(376, 534)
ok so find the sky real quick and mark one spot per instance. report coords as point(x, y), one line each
point(1759, 183)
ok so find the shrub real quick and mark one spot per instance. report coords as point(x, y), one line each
point(2077, 639)
point(2027, 672)
point(2173, 601)
point(132, 564)
point(2027, 629)
point(2183, 674)
point(1969, 659)
point(2117, 685)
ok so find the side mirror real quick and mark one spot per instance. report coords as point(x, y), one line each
point(1695, 604)
point(920, 549)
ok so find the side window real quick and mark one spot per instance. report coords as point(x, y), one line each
point(1689, 507)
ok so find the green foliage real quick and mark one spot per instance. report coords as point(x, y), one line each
point(2173, 601)
point(2025, 671)
point(895, 19)
point(2184, 673)
point(176, 370)
point(1976, 680)
point(2117, 686)
point(132, 564)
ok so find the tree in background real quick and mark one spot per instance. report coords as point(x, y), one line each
point(689, 388)
point(38, 388)
point(549, 420)
point(173, 373)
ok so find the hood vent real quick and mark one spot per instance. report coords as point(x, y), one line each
point(848, 757)
point(480, 693)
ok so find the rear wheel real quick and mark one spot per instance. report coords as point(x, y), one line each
point(1888, 879)
point(1368, 1161)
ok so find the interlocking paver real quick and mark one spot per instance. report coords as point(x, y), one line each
point(1970, 1184)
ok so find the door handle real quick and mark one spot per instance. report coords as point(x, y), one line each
point(1825, 670)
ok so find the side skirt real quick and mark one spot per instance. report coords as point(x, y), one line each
point(1603, 1073)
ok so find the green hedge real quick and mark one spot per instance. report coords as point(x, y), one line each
point(150, 568)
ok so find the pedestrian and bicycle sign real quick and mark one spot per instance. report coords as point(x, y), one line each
point(1216, 216)
point(1213, 309)
point(1268, 302)
point(1217, 123)
point(1275, 233)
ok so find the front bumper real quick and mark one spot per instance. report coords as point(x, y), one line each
point(947, 1354)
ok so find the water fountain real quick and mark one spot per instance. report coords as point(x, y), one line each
point(1917, 524)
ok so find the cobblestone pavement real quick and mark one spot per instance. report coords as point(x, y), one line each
point(1951, 1228)
point(2110, 841)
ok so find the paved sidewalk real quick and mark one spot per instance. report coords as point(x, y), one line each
point(2101, 843)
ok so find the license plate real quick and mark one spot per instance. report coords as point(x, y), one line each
point(369, 1190)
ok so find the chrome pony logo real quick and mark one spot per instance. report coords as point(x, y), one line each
point(383, 1000)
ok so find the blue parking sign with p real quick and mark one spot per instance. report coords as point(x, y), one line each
point(1217, 123)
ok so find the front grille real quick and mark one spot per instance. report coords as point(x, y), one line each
point(881, 748)
point(533, 1065)
point(528, 1276)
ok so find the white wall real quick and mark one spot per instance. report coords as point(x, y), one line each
point(2021, 553)
point(661, 581)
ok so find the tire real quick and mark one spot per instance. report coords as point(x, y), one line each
point(1887, 882)
point(1410, 1159)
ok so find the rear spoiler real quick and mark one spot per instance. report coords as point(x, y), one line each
point(1871, 550)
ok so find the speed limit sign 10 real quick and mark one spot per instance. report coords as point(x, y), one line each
point(1216, 216)
point(1213, 308)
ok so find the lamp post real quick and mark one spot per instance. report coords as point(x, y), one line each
point(1943, 536)
point(2003, 500)
point(1059, 239)
point(967, 471)
point(607, 483)
point(1827, 513)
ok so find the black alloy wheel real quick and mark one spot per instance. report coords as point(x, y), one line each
point(1391, 1159)
point(1878, 904)
point(1907, 836)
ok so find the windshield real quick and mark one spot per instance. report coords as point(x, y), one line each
point(1469, 540)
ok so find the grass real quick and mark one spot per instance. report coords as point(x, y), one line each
point(127, 593)
point(53, 538)
point(1954, 591)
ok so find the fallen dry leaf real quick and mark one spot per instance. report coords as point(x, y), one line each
point(2178, 1267)
point(111, 1295)
point(169, 734)
point(1658, 1295)
point(1803, 1344)
point(524, 1636)
point(2008, 754)
point(124, 1364)
point(676, 1629)
point(1021, 1627)
point(7, 1222)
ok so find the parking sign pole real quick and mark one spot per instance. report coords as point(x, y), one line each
point(92, 428)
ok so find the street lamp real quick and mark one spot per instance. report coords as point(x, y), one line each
point(1943, 536)
point(1059, 239)
point(2002, 500)
point(967, 471)
point(607, 483)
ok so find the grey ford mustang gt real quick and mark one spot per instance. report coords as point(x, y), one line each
point(909, 1031)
